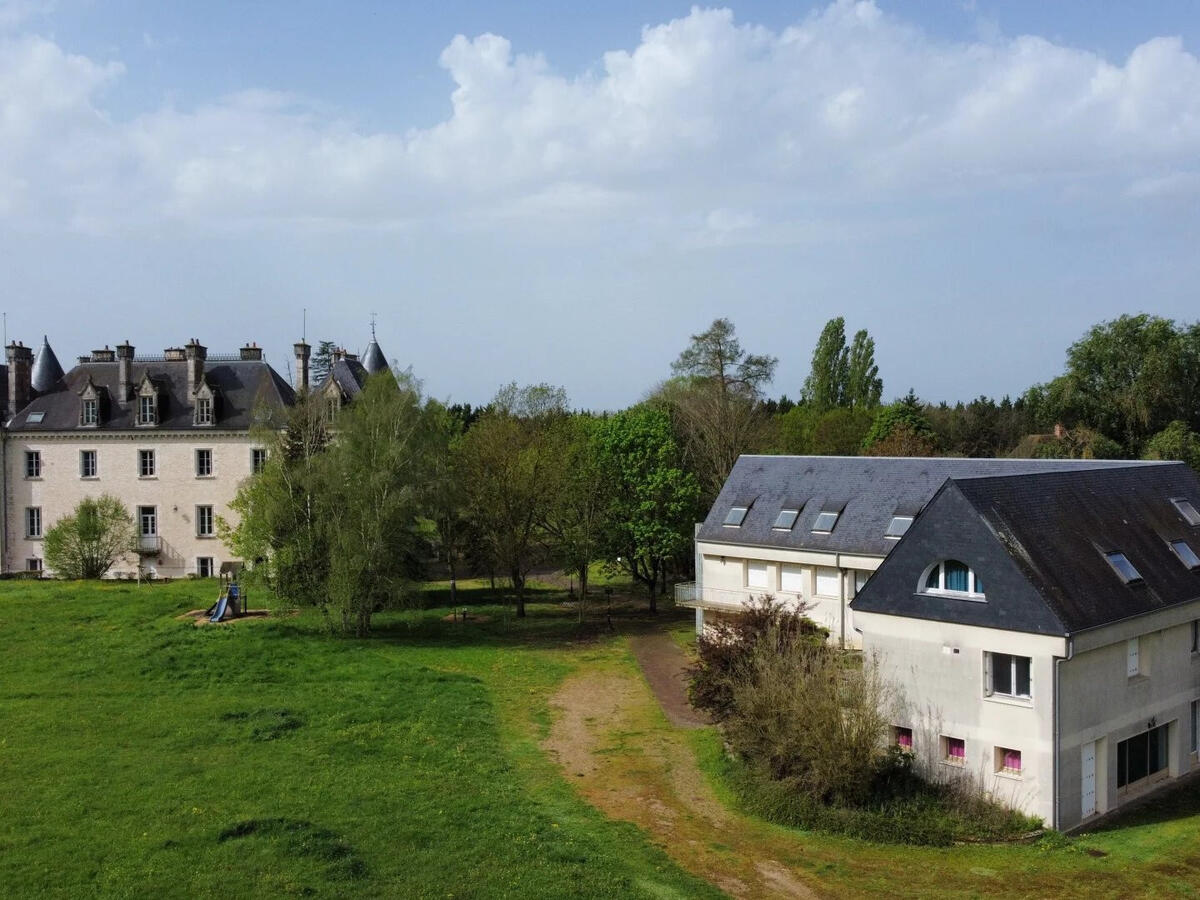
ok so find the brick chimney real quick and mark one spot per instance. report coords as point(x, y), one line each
point(197, 353)
point(303, 352)
point(20, 373)
point(124, 371)
point(252, 352)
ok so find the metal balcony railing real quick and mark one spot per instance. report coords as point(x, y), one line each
point(688, 594)
point(149, 544)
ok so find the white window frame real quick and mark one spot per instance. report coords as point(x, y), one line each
point(207, 454)
point(34, 564)
point(143, 516)
point(258, 459)
point(989, 670)
point(84, 455)
point(908, 520)
point(204, 411)
point(145, 456)
point(971, 593)
point(147, 409)
point(206, 522)
point(33, 463)
point(89, 413)
point(33, 523)
point(818, 529)
point(212, 566)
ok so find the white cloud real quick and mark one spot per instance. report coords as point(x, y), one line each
point(704, 118)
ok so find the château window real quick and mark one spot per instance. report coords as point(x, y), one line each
point(89, 413)
point(33, 464)
point(204, 463)
point(87, 464)
point(204, 521)
point(33, 521)
point(147, 409)
point(258, 460)
point(146, 468)
point(952, 577)
point(204, 567)
point(204, 411)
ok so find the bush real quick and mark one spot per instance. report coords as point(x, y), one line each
point(86, 543)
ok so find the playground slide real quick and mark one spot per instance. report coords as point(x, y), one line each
point(222, 605)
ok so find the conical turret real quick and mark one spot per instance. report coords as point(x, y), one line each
point(46, 369)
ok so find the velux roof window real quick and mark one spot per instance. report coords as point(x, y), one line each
point(1123, 567)
point(828, 517)
point(1186, 554)
point(736, 515)
point(1187, 510)
point(898, 526)
point(786, 519)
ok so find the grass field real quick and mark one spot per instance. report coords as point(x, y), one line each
point(141, 755)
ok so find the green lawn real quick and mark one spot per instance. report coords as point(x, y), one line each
point(141, 755)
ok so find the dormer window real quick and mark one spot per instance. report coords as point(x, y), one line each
point(1123, 567)
point(332, 405)
point(952, 577)
point(148, 410)
point(89, 413)
point(204, 411)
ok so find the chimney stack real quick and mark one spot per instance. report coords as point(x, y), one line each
point(20, 374)
point(196, 355)
point(124, 371)
point(174, 354)
point(303, 352)
point(252, 352)
point(104, 355)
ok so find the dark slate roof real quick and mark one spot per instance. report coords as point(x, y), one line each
point(874, 489)
point(349, 375)
point(241, 385)
point(373, 360)
point(1058, 526)
point(47, 371)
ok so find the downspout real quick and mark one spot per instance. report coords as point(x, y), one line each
point(1057, 725)
point(842, 599)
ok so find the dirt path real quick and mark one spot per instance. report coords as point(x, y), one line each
point(609, 739)
point(665, 666)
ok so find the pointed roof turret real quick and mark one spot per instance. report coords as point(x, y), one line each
point(373, 360)
point(46, 369)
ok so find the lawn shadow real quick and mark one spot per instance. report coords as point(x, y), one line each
point(1179, 800)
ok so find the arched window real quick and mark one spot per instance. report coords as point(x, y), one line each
point(952, 577)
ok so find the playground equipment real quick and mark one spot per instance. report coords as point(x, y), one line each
point(230, 603)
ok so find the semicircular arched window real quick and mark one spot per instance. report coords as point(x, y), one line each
point(952, 577)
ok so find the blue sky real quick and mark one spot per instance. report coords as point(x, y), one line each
point(566, 191)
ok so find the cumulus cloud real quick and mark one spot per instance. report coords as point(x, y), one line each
point(706, 119)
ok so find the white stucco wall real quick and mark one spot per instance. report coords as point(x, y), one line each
point(175, 489)
point(938, 671)
point(723, 579)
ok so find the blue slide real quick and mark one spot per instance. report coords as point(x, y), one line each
point(222, 604)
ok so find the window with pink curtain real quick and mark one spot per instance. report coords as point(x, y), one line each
point(904, 738)
point(1011, 760)
point(956, 750)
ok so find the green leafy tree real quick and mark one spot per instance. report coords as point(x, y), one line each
point(901, 429)
point(864, 387)
point(86, 543)
point(654, 500)
point(1176, 441)
point(716, 401)
point(506, 459)
point(378, 477)
point(282, 515)
point(825, 387)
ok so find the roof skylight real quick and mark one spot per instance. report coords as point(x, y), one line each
point(898, 526)
point(825, 521)
point(1123, 567)
point(1187, 510)
point(1186, 554)
point(35, 418)
point(786, 519)
point(736, 515)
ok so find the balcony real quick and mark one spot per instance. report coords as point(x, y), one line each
point(687, 593)
point(149, 544)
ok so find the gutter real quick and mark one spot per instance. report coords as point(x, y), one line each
point(1058, 726)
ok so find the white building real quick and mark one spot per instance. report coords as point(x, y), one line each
point(1045, 632)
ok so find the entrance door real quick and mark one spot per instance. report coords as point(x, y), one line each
point(1089, 780)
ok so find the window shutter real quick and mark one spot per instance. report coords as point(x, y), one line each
point(987, 675)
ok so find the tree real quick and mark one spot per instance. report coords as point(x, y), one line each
point(901, 430)
point(1176, 441)
point(322, 362)
point(654, 500)
point(716, 399)
point(378, 476)
point(505, 460)
point(825, 387)
point(1128, 378)
point(579, 509)
point(86, 543)
point(282, 519)
point(864, 387)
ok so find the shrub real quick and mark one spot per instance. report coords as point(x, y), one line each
point(86, 543)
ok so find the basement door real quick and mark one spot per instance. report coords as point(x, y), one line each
point(1089, 780)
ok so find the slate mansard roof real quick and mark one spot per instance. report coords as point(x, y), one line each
point(871, 491)
point(1050, 531)
point(240, 385)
